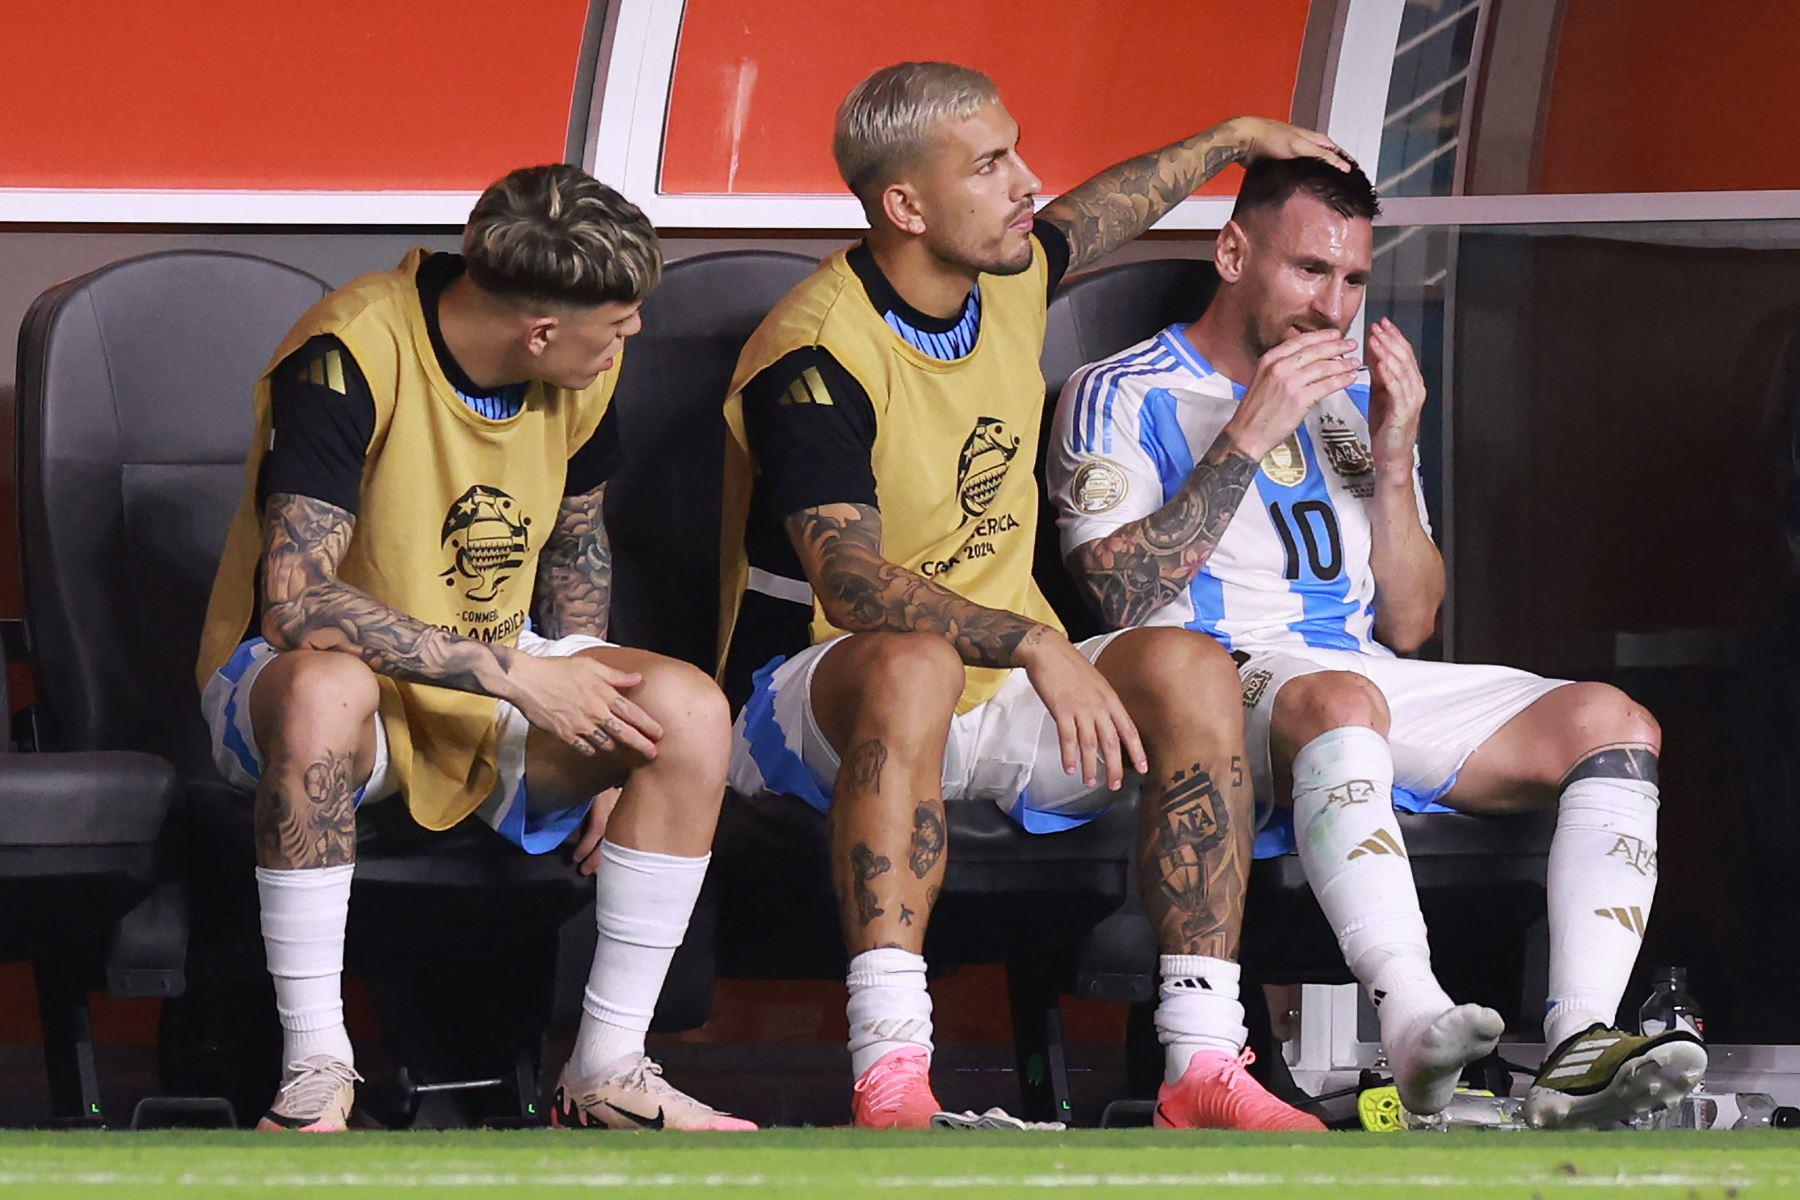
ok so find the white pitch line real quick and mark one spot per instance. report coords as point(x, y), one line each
point(1221, 1179)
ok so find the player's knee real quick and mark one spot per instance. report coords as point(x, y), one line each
point(693, 712)
point(317, 699)
point(1177, 672)
point(678, 693)
point(1327, 700)
point(1602, 715)
point(907, 672)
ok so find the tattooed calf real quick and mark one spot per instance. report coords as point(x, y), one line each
point(865, 865)
point(927, 837)
point(1196, 892)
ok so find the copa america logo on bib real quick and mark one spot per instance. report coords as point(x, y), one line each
point(1099, 487)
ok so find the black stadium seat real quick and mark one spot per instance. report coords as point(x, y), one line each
point(79, 849)
point(134, 412)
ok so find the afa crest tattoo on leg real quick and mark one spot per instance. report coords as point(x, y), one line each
point(1192, 870)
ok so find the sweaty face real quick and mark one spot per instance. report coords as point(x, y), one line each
point(976, 193)
point(586, 341)
point(1305, 268)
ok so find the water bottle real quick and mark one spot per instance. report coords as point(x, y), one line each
point(1670, 1006)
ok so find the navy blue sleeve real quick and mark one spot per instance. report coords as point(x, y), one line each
point(1056, 253)
point(594, 463)
point(323, 418)
point(811, 429)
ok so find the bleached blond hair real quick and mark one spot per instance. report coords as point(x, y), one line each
point(888, 119)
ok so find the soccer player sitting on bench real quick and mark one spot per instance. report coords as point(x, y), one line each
point(892, 652)
point(1234, 476)
point(430, 461)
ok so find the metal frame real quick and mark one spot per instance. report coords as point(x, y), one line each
point(618, 135)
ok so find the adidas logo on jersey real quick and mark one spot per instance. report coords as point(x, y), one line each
point(1380, 842)
point(808, 389)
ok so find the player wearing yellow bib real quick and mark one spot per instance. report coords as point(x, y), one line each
point(414, 599)
point(882, 630)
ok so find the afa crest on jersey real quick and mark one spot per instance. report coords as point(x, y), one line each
point(1348, 455)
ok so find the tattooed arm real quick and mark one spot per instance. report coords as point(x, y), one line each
point(306, 606)
point(574, 577)
point(1122, 201)
point(840, 548)
point(1141, 566)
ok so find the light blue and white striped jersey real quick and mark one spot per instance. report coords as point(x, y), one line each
point(1293, 566)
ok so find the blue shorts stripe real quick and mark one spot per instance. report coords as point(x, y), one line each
point(232, 672)
point(1032, 820)
point(540, 833)
point(782, 769)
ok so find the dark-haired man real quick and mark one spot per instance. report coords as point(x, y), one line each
point(414, 600)
point(892, 653)
point(1233, 476)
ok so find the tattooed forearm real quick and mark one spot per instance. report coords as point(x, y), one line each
point(574, 577)
point(305, 606)
point(314, 828)
point(1193, 866)
point(1122, 201)
point(1137, 568)
point(840, 547)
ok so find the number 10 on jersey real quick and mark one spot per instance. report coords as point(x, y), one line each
point(1317, 524)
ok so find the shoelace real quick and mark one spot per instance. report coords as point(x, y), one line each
point(886, 1088)
point(315, 1081)
point(647, 1074)
point(1233, 1070)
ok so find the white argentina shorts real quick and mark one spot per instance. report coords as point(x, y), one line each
point(226, 705)
point(1004, 751)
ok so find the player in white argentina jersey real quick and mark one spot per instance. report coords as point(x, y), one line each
point(1234, 476)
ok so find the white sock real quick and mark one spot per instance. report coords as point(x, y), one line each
point(1197, 1010)
point(642, 902)
point(889, 1008)
point(1601, 880)
point(303, 916)
point(1355, 860)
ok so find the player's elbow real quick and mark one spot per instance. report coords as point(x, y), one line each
point(278, 627)
point(287, 624)
point(850, 600)
point(1406, 635)
point(1122, 599)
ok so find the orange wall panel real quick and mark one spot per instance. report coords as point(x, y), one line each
point(1670, 95)
point(400, 94)
point(756, 86)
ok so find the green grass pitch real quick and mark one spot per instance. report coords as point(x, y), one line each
point(854, 1165)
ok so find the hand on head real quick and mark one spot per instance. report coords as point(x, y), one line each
point(1265, 138)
